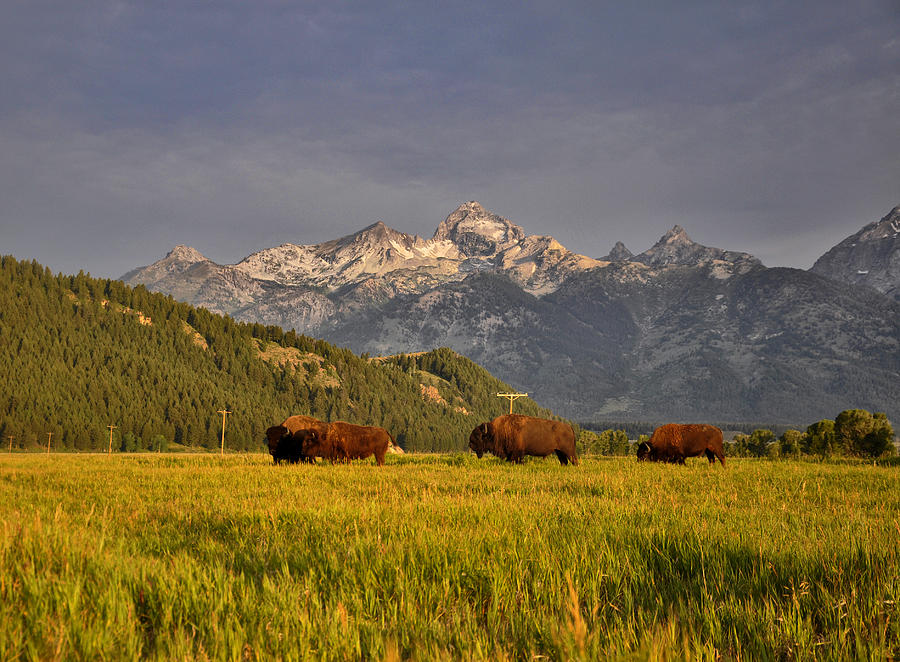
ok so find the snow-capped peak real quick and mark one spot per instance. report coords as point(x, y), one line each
point(470, 238)
point(477, 232)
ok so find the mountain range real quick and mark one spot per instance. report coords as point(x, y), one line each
point(680, 331)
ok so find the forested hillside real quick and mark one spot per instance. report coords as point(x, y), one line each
point(78, 354)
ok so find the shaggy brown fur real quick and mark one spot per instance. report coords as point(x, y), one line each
point(342, 442)
point(674, 442)
point(283, 446)
point(514, 436)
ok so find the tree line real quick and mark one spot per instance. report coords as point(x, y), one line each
point(852, 433)
point(80, 353)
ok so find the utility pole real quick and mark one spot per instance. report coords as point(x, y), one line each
point(512, 397)
point(111, 428)
point(10, 437)
point(49, 437)
point(224, 413)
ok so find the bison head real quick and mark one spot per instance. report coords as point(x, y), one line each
point(644, 451)
point(311, 443)
point(274, 435)
point(482, 439)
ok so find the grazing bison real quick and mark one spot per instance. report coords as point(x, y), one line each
point(674, 442)
point(514, 436)
point(342, 442)
point(283, 442)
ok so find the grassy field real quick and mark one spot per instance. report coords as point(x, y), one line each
point(436, 557)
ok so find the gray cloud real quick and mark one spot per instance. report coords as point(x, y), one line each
point(230, 127)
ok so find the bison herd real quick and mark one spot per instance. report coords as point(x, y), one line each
point(303, 438)
point(511, 437)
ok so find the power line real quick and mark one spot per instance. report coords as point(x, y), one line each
point(224, 413)
point(111, 428)
point(512, 397)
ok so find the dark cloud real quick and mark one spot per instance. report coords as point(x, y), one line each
point(129, 127)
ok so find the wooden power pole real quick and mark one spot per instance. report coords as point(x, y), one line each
point(10, 437)
point(49, 437)
point(111, 428)
point(224, 413)
point(512, 397)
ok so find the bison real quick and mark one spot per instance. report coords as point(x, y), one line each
point(284, 445)
point(674, 442)
point(342, 442)
point(514, 436)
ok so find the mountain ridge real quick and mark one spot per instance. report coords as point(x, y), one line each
point(486, 289)
point(469, 239)
point(869, 257)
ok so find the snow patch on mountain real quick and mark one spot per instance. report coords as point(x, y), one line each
point(870, 257)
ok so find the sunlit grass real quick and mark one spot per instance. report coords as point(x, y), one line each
point(433, 557)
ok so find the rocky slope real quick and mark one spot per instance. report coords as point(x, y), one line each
point(870, 257)
point(377, 262)
point(628, 343)
point(676, 248)
point(680, 331)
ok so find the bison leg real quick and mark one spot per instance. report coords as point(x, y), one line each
point(713, 455)
point(563, 458)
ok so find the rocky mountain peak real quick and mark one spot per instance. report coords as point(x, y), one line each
point(619, 253)
point(374, 238)
point(677, 235)
point(472, 206)
point(177, 262)
point(182, 253)
point(675, 247)
point(887, 228)
point(478, 232)
point(378, 232)
point(870, 257)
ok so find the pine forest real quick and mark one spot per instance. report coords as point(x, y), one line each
point(81, 354)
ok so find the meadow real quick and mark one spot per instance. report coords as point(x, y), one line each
point(445, 557)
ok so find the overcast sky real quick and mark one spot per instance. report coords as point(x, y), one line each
point(129, 127)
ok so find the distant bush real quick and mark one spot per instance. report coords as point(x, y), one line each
point(853, 433)
point(608, 442)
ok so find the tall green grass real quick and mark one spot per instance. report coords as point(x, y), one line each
point(435, 557)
